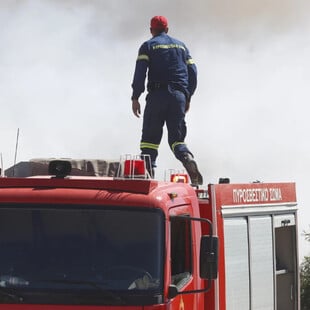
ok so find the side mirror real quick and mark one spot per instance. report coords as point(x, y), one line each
point(172, 291)
point(208, 257)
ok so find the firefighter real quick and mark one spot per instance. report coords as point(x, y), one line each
point(172, 80)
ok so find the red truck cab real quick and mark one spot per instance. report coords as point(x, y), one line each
point(100, 243)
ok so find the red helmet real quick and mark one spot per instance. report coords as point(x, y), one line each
point(159, 22)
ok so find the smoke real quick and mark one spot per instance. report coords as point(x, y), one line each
point(65, 80)
point(66, 67)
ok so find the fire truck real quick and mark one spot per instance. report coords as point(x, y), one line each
point(97, 235)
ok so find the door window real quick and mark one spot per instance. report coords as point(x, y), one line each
point(181, 254)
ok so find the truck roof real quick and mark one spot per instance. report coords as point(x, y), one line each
point(87, 191)
point(81, 182)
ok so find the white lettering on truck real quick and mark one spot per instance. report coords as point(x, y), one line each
point(275, 194)
point(247, 195)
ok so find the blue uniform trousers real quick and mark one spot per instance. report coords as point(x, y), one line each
point(164, 106)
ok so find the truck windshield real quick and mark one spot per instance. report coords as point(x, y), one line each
point(81, 255)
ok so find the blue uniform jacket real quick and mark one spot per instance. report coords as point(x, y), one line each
point(167, 61)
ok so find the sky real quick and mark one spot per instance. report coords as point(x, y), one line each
point(66, 69)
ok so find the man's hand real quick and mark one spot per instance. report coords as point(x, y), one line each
point(136, 109)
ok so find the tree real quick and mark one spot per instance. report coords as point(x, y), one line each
point(305, 280)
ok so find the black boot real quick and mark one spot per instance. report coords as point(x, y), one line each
point(192, 169)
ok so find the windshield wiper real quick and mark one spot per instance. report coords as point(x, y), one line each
point(96, 285)
point(8, 283)
point(13, 297)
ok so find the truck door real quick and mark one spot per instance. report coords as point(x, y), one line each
point(261, 262)
point(181, 239)
point(286, 262)
point(249, 263)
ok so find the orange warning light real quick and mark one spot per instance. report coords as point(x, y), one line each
point(179, 178)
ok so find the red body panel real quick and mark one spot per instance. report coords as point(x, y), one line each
point(254, 193)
